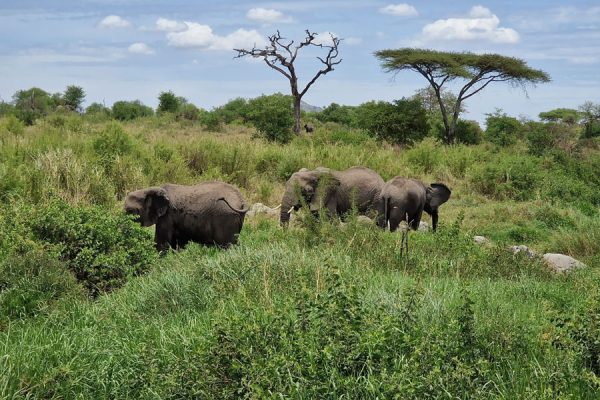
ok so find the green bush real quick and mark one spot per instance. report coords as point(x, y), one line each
point(403, 121)
point(188, 112)
point(508, 177)
point(272, 117)
point(113, 141)
point(167, 102)
point(334, 112)
point(13, 125)
point(234, 110)
point(501, 129)
point(130, 110)
point(103, 250)
point(31, 280)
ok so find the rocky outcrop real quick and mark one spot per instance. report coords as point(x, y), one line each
point(561, 263)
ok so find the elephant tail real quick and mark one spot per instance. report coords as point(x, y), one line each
point(242, 211)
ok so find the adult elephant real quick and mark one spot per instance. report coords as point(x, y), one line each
point(405, 199)
point(337, 191)
point(211, 213)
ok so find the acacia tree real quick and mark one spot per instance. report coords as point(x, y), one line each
point(280, 54)
point(478, 70)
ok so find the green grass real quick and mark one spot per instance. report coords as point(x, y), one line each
point(315, 311)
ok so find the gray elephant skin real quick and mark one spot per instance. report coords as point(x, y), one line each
point(337, 191)
point(210, 213)
point(404, 199)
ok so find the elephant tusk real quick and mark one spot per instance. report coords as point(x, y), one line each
point(290, 210)
point(278, 207)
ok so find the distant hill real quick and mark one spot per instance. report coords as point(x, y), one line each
point(304, 106)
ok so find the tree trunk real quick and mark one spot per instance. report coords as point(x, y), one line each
point(297, 115)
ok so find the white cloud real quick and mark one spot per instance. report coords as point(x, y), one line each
point(324, 38)
point(353, 40)
point(114, 21)
point(141, 48)
point(169, 25)
point(399, 10)
point(202, 36)
point(267, 16)
point(481, 24)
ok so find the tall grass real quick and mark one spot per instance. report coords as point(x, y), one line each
point(319, 310)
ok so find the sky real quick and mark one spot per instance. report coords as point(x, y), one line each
point(135, 49)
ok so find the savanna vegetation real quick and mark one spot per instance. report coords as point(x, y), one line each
point(88, 309)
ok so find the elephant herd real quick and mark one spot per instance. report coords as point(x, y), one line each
point(212, 213)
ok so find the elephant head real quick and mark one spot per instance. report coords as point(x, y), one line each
point(147, 204)
point(314, 188)
point(436, 195)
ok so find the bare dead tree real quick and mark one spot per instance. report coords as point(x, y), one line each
point(280, 54)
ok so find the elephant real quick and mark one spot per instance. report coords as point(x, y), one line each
point(337, 191)
point(404, 199)
point(210, 213)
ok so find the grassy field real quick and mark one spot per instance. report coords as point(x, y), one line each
point(88, 310)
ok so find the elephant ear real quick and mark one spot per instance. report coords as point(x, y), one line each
point(327, 185)
point(437, 194)
point(158, 203)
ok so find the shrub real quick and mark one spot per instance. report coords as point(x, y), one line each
point(32, 104)
point(508, 177)
point(272, 116)
point(402, 121)
point(167, 102)
point(336, 113)
point(103, 250)
point(188, 112)
point(129, 110)
point(112, 142)
point(211, 120)
point(467, 132)
point(234, 110)
point(13, 125)
point(501, 129)
point(539, 138)
point(31, 280)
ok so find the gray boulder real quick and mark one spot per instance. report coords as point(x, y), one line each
point(523, 250)
point(561, 263)
point(423, 226)
point(481, 240)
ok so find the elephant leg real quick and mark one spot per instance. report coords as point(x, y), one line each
point(414, 222)
point(163, 236)
point(434, 220)
point(397, 215)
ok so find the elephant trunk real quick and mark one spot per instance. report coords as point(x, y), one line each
point(287, 203)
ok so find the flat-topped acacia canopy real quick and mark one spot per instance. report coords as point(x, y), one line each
point(479, 70)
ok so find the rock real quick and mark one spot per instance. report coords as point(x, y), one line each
point(481, 240)
point(423, 226)
point(260, 208)
point(364, 220)
point(561, 262)
point(523, 249)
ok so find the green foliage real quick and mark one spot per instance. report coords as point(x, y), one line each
point(113, 141)
point(564, 115)
point(13, 125)
point(102, 250)
point(272, 116)
point(188, 112)
point(6, 109)
point(211, 120)
point(539, 138)
point(501, 129)
point(32, 104)
point(234, 110)
point(468, 132)
point(402, 121)
point(168, 102)
point(73, 97)
point(32, 280)
point(510, 177)
point(337, 113)
point(590, 113)
point(129, 110)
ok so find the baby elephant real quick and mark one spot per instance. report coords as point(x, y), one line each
point(211, 213)
point(308, 128)
point(404, 199)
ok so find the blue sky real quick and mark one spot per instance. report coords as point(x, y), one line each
point(134, 49)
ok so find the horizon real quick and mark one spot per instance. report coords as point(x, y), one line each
point(133, 50)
